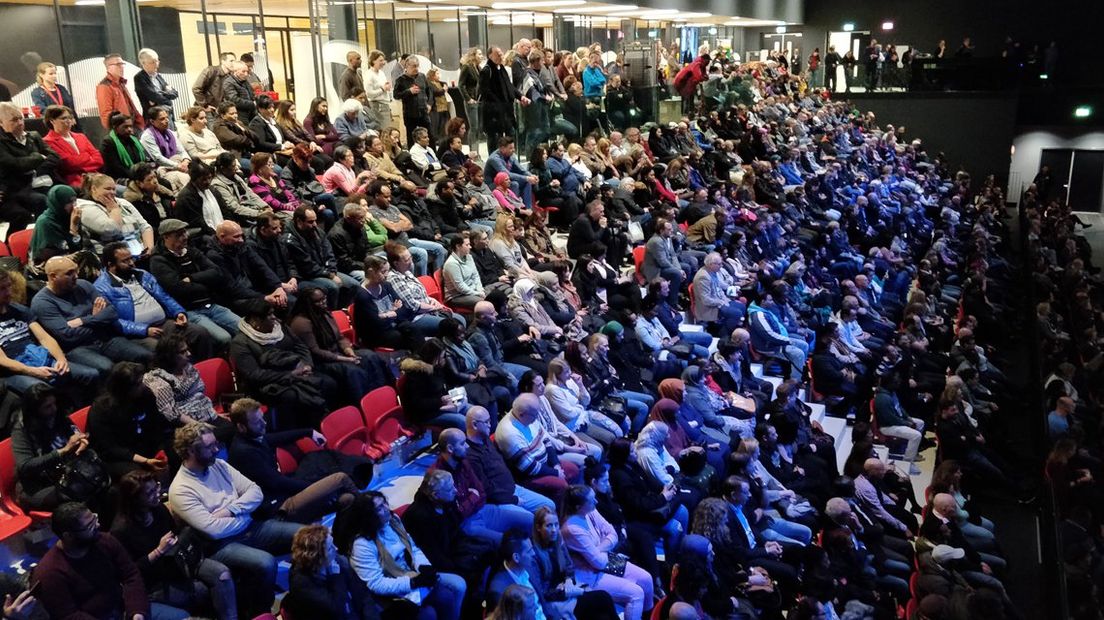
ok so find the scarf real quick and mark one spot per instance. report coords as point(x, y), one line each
point(523, 288)
point(166, 142)
point(548, 281)
point(124, 155)
point(672, 388)
point(271, 338)
point(464, 351)
point(387, 563)
point(52, 227)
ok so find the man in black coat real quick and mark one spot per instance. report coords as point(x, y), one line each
point(27, 169)
point(189, 277)
point(253, 453)
point(313, 257)
point(497, 94)
point(593, 227)
point(416, 95)
point(243, 275)
point(150, 86)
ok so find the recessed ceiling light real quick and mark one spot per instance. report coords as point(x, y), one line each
point(536, 4)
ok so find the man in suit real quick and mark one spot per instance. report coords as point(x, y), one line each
point(517, 556)
point(660, 260)
point(940, 528)
point(750, 550)
point(711, 301)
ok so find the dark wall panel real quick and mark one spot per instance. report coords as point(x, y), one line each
point(973, 130)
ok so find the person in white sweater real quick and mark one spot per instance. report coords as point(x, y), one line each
point(386, 558)
point(569, 398)
point(218, 501)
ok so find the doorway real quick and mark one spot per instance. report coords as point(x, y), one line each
point(855, 42)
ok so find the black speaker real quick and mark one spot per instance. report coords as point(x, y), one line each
point(640, 64)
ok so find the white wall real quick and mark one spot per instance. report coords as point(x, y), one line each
point(1029, 147)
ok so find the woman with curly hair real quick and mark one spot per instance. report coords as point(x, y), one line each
point(320, 584)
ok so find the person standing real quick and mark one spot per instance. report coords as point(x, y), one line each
point(831, 62)
point(112, 96)
point(207, 90)
point(151, 87)
point(497, 95)
point(412, 89)
point(236, 90)
point(350, 80)
point(815, 69)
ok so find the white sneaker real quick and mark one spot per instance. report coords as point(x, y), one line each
point(914, 470)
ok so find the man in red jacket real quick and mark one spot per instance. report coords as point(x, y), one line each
point(112, 95)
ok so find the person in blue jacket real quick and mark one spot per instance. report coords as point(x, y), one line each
point(144, 310)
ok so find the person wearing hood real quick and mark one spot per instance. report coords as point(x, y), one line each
point(425, 398)
point(526, 308)
point(57, 231)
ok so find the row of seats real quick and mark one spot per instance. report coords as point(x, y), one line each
point(18, 245)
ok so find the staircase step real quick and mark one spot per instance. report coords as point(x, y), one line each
point(757, 370)
point(775, 382)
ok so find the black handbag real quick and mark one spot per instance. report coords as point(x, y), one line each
point(186, 556)
point(615, 564)
point(83, 477)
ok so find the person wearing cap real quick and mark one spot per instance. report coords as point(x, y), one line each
point(949, 569)
point(189, 277)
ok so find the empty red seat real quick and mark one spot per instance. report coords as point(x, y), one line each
point(344, 325)
point(20, 244)
point(345, 431)
point(638, 262)
point(218, 379)
point(432, 287)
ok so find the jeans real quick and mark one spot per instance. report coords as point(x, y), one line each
point(319, 498)
point(445, 598)
point(251, 556)
point(426, 324)
point(515, 370)
point(79, 374)
point(783, 531)
point(531, 500)
point(431, 247)
point(638, 404)
point(449, 419)
point(219, 321)
point(732, 315)
point(337, 295)
point(493, 520)
point(169, 602)
point(699, 338)
point(674, 276)
point(908, 433)
point(674, 530)
point(102, 355)
point(420, 258)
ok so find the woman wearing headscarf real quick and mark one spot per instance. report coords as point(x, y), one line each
point(678, 441)
point(526, 308)
point(556, 304)
point(57, 231)
point(716, 412)
point(691, 419)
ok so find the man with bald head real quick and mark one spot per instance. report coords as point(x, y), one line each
point(244, 274)
point(82, 322)
point(878, 504)
point(487, 512)
point(488, 346)
point(490, 467)
point(528, 450)
point(941, 528)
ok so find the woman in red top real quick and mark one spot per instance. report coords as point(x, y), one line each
point(77, 154)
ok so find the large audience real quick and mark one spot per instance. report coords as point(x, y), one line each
point(603, 446)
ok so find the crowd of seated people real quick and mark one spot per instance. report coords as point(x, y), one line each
point(1066, 285)
point(586, 415)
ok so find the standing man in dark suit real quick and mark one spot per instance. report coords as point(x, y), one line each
point(413, 90)
point(497, 94)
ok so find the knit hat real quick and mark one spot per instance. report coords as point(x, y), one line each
point(613, 328)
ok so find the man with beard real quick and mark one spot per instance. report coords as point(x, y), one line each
point(218, 501)
point(313, 257)
point(144, 310)
point(244, 275)
point(87, 573)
